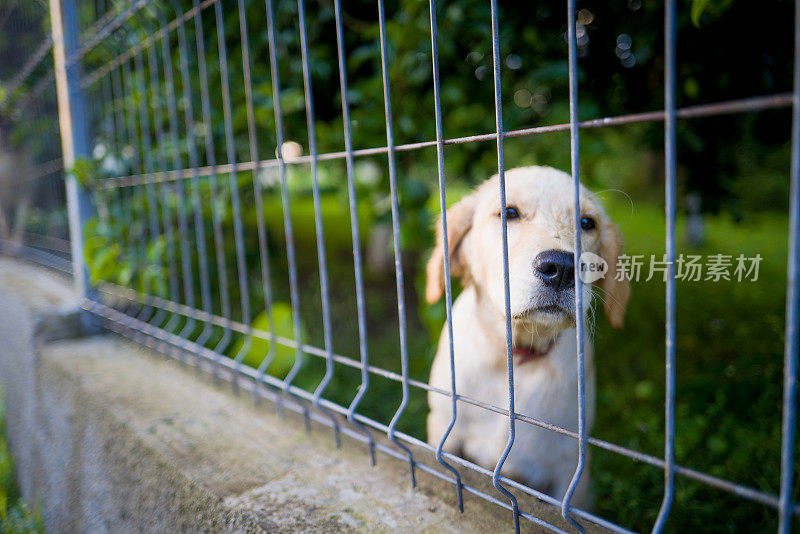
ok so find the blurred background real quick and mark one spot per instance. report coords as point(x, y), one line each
point(733, 177)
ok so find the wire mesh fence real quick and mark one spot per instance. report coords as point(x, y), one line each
point(33, 220)
point(216, 237)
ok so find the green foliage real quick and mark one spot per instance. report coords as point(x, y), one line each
point(711, 7)
point(85, 170)
point(110, 259)
point(283, 357)
point(16, 517)
point(102, 254)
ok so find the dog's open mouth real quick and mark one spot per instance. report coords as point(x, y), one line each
point(550, 309)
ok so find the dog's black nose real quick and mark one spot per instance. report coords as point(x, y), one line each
point(556, 268)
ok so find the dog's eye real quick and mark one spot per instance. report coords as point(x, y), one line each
point(511, 213)
point(587, 223)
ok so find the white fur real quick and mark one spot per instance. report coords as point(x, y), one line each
point(545, 388)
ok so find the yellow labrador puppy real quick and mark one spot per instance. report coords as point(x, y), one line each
point(541, 241)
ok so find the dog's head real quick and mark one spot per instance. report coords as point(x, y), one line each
point(541, 245)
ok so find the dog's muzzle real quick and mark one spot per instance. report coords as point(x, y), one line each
point(556, 269)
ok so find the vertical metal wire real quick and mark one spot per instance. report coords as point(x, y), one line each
point(107, 128)
point(287, 214)
point(219, 244)
point(183, 225)
point(398, 259)
point(322, 259)
point(792, 345)
point(150, 208)
point(194, 163)
point(103, 198)
point(146, 144)
point(351, 189)
point(133, 241)
point(572, 45)
point(263, 251)
point(119, 146)
point(94, 118)
point(147, 242)
point(147, 159)
point(501, 171)
point(149, 185)
point(134, 229)
point(136, 196)
point(113, 128)
point(670, 157)
point(106, 206)
point(233, 179)
point(102, 9)
point(171, 263)
point(127, 105)
point(448, 292)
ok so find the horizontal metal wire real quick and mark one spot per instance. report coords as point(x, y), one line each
point(45, 82)
point(758, 103)
point(96, 37)
point(116, 9)
point(31, 64)
point(37, 255)
point(223, 322)
point(50, 242)
point(43, 169)
point(96, 75)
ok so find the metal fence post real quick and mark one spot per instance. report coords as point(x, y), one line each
point(72, 123)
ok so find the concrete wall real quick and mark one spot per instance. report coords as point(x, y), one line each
point(111, 437)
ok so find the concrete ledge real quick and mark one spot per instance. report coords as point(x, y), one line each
point(166, 451)
point(112, 437)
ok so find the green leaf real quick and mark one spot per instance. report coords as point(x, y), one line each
point(103, 265)
point(84, 171)
point(155, 250)
point(284, 357)
point(125, 274)
point(698, 8)
point(711, 7)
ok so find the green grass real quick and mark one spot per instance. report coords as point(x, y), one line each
point(729, 380)
point(16, 517)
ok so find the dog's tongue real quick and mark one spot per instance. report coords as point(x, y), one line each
point(526, 354)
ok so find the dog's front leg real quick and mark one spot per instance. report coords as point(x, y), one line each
point(582, 498)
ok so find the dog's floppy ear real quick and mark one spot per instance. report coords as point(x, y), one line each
point(459, 221)
point(616, 292)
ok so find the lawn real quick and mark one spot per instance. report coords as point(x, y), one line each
point(729, 379)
